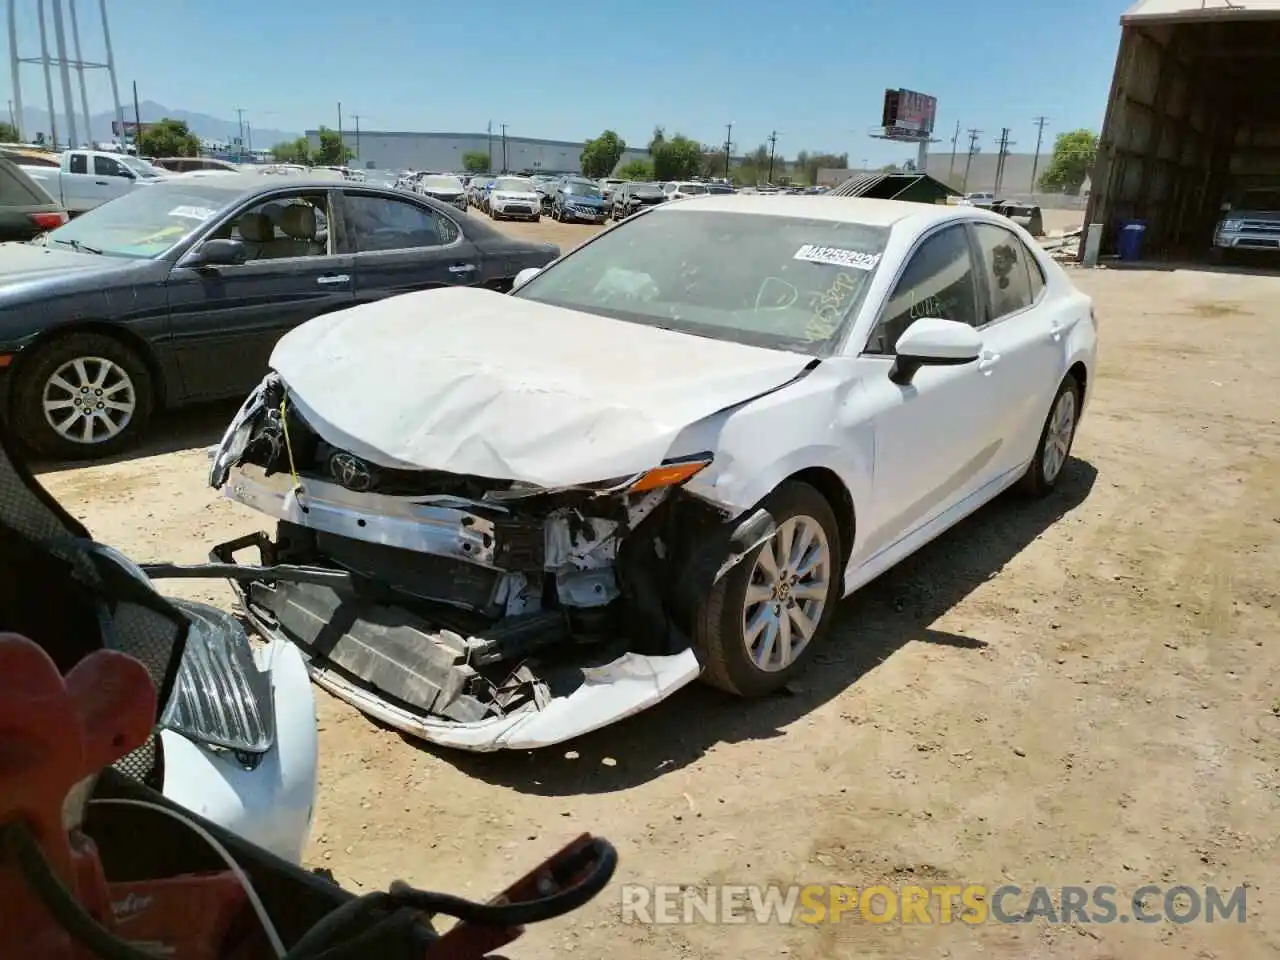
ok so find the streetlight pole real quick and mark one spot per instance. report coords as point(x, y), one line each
point(728, 146)
point(773, 142)
point(504, 147)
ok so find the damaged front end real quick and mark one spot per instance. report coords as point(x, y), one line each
point(478, 613)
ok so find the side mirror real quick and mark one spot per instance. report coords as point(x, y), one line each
point(127, 174)
point(933, 342)
point(217, 253)
point(524, 276)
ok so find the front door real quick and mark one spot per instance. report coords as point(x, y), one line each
point(399, 246)
point(934, 440)
point(225, 321)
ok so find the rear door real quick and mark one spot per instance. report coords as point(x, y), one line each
point(1024, 347)
point(400, 246)
point(225, 321)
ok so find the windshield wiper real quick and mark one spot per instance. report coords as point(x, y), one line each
point(77, 246)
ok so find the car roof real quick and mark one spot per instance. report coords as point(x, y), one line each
point(875, 213)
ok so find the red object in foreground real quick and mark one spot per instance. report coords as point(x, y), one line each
point(56, 734)
point(47, 221)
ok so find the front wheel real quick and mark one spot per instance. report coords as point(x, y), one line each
point(82, 396)
point(761, 621)
point(1056, 437)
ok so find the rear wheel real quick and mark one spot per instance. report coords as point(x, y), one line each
point(1055, 441)
point(760, 623)
point(82, 396)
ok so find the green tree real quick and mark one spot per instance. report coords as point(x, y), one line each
point(1073, 155)
point(601, 155)
point(657, 140)
point(332, 152)
point(475, 161)
point(677, 158)
point(713, 163)
point(8, 133)
point(810, 163)
point(168, 138)
point(636, 170)
point(292, 151)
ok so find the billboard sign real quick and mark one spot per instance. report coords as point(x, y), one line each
point(909, 113)
point(130, 127)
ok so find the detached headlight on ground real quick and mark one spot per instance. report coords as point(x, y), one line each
point(220, 697)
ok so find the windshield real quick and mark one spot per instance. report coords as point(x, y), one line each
point(514, 185)
point(144, 223)
point(442, 183)
point(691, 188)
point(1261, 201)
point(792, 282)
point(140, 167)
point(579, 189)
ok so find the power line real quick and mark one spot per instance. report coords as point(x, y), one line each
point(974, 132)
point(1035, 163)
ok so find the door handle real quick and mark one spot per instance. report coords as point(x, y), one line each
point(462, 268)
point(333, 279)
point(1055, 329)
point(101, 183)
point(987, 361)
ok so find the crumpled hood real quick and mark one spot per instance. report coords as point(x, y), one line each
point(471, 381)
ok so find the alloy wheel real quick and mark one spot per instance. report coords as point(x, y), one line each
point(89, 400)
point(787, 593)
point(1057, 441)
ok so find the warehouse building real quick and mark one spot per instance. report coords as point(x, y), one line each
point(1192, 121)
point(403, 150)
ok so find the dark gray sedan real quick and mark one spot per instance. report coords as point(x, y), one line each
point(178, 291)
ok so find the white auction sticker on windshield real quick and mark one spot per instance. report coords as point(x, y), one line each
point(193, 213)
point(837, 256)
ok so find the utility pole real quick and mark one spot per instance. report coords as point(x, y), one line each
point(47, 62)
point(341, 143)
point(357, 116)
point(489, 131)
point(1035, 162)
point(12, 122)
point(504, 147)
point(1005, 143)
point(955, 139)
point(973, 148)
point(728, 147)
point(773, 142)
point(240, 140)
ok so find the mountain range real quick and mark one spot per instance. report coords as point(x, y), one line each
point(202, 125)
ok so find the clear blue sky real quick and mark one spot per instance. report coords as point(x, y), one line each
point(815, 71)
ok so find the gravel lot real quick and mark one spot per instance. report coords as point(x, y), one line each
point(1079, 691)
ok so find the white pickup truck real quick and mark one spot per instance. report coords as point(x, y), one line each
point(89, 178)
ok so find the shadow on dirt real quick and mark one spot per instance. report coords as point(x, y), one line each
point(878, 620)
point(173, 430)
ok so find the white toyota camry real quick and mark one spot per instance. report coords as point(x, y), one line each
point(668, 454)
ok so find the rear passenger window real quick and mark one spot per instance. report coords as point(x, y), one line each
point(1004, 264)
point(938, 282)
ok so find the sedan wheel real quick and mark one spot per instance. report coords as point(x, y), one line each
point(1055, 440)
point(759, 624)
point(84, 395)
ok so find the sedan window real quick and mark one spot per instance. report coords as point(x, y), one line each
point(380, 223)
point(1004, 262)
point(282, 227)
point(938, 282)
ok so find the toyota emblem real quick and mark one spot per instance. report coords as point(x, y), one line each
point(350, 471)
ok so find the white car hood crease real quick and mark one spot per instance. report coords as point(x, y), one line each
point(470, 381)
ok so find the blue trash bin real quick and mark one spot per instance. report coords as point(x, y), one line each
point(1131, 234)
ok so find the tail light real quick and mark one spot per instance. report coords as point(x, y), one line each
point(47, 221)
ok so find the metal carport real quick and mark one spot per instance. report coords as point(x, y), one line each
point(1192, 119)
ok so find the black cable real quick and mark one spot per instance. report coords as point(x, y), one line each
point(321, 941)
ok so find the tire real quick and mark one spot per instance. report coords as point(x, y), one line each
point(719, 629)
point(537, 217)
point(129, 381)
point(1043, 473)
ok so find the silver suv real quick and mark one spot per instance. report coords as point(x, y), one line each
point(1253, 223)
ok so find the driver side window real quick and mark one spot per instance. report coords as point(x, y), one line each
point(938, 282)
point(292, 225)
point(107, 167)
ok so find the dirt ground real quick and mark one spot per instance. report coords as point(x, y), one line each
point(1083, 690)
